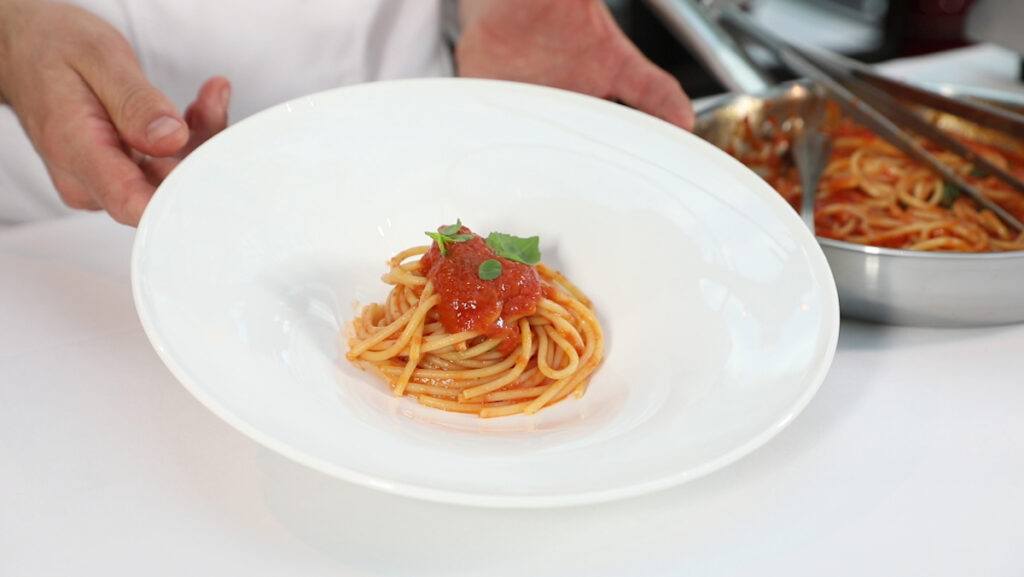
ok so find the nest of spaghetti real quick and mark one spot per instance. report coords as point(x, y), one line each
point(511, 364)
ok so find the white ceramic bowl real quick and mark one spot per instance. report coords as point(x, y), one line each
point(720, 311)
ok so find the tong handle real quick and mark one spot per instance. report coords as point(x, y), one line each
point(725, 59)
point(864, 112)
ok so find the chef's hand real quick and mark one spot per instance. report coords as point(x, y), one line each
point(107, 136)
point(571, 44)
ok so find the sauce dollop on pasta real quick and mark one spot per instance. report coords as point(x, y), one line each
point(468, 303)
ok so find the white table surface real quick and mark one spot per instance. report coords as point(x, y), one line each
point(909, 461)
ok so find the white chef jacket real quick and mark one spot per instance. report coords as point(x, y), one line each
point(270, 50)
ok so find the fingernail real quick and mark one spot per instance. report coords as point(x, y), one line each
point(161, 128)
point(225, 97)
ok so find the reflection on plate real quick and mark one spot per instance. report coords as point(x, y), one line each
point(719, 311)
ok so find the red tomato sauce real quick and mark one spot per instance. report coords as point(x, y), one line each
point(468, 303)
point(844, 196)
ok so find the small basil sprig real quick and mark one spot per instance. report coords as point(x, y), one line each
point(448, 235)
point(524, 250)
point(490, 269)
point(949, 194)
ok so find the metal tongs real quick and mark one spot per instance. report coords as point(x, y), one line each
point(870, 98)
point(882, 113)
point(811, 151)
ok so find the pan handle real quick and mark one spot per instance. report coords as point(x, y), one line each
point(692, 26)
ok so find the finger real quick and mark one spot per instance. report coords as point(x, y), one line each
point(644, 86)
point(71, 190)
point(104, 168)
point(154, 169)
point(157, 169)
point(144, 117)
point(208, 114)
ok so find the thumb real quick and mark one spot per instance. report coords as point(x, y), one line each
point(644, 86)
point(144, 117)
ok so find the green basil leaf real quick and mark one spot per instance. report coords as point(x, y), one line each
point(490, 269)
point(460, 237)
point(452, 229)
point(524, 250)
point(440, 240)
point(977, 172)
point(949, 194)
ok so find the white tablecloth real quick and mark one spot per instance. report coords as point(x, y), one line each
point(909, 461)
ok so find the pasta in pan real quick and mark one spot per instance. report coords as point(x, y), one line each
point(871, 193)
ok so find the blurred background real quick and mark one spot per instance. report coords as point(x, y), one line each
point(869, 30)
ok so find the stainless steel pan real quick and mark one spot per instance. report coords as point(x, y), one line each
point(877, 284)
point(888, 285)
